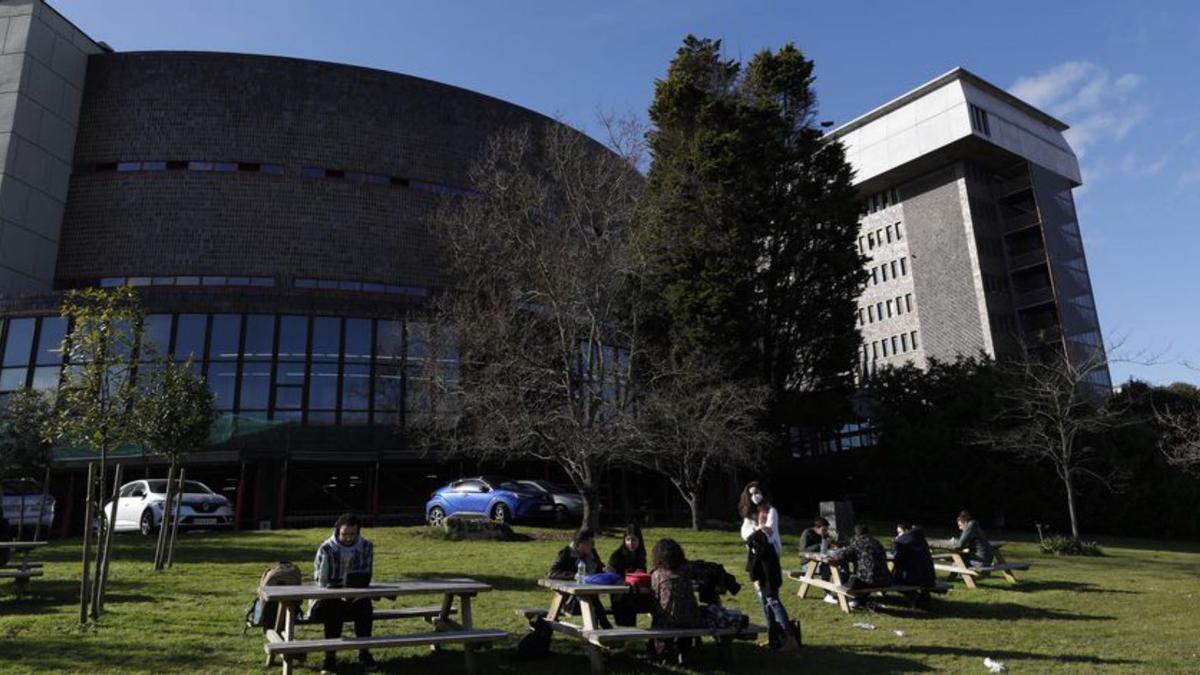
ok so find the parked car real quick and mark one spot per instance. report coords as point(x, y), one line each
point(568, 503)
point(21, 499)
point(501, 499)
point(140, 507)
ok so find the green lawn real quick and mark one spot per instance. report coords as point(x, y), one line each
point(1135, 610)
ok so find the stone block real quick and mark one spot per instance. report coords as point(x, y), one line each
point(17, 34)
point(40, 41)
point(68, 61)
point(57, 136)
point(12, 70)
point(14, 197)
point(44, 85)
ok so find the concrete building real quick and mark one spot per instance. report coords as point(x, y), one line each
point(970, 227)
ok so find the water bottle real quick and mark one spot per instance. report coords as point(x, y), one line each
point(580, 571)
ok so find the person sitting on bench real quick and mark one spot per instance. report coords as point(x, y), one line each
point(346, 559)
point(630, 557)
point(674, 599)
point(913, 562)
point(575, 562)
point(870, 562)
point(816, 539)
point(973, 539)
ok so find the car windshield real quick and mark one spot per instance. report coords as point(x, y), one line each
point(501, 483)
point(189, 487)
point(15, 488)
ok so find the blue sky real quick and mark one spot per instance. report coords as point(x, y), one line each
point(1122, 74)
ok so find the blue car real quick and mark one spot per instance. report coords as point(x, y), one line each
point(501, 499)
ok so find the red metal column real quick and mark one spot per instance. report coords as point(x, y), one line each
point(241, 491)
point(281, 502)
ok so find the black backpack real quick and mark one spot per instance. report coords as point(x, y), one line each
point(536, 643)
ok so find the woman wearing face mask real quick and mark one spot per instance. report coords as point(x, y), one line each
point(760, 531)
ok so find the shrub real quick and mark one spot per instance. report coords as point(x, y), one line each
point(1057, 544)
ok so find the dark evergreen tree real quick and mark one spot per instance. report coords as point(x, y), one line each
point(749, 224)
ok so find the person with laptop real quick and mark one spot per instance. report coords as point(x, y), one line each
point(344, 560)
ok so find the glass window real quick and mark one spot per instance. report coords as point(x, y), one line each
point(358, 340)
point(139, 281)
point(128, 166)
point(221, 381)
point(884, 342)
point(323, 387)
point(312, 172)
point(162, 281)
point(213, 281)
point(888, 230)
point(272, 169)
point(883, 270)
point(200, 166)
point(899, 232)
point(226, 334)
point(894, 344)
point(904, 267)
point(327, 338)
point(874, 276)
point(19, 342)
point(256, 386)
point(388, 389)
point(46, 378)
point(265, 282)
point(908, 302)
point(389, 342)
point(293, 337)
point(894, 275)
point(112, 282)
point(879, 311)
point(889, 309)
point(875, 350)
point(226, 167)
point(356, 387)
point(156, 336)
point(12, 379)
point(50, 339)
point(904, 342)
point(260, 337)
point(870, 313)
point(187, 281)
point(189, 336)
point(913, 335)
point(154, 166)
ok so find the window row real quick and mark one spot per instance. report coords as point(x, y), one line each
point(979, 120)
point(897, 268)
point(880, 201)
point(291, 368)
point(879, 237)
point(275, 169)
point(890, 346)
point(876, 312)
point(364, 286)
point(111, 282)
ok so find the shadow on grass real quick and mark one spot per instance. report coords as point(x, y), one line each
point(48, 596)
point(987, 611)
point(1074, 586)
point(1005, 654)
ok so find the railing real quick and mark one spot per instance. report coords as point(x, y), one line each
point(1035, 297)
point(1021, 221)
point(1020, 261)
point(1012, 186)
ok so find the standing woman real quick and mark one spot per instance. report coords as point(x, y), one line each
point(760, 531)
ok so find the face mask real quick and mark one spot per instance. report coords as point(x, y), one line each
point(756, 498)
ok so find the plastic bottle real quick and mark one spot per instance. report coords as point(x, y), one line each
point(580, 571)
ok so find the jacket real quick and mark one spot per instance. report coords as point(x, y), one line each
point(750, 526)
point(812, 542)
point(624, 561)
point(712, 581)
point(674, 600)
point(976, 542)
point(913, 564)
point(335, 560)
point(762, 562)
point(870, 561)
point(566, 564)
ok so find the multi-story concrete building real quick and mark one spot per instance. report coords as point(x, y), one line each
point(970, 228)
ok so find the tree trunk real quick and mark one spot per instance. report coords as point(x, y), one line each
point(160, 547)
point(1071, 505)
point(21, 518)
point(694, 504)
point(87, 544)
point(103, 526)
point(591, 508)
point(175, 518)
point(98, 603)
point(37, 529)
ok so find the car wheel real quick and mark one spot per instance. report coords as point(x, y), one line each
point(436, 517)
point(146, 523)
point(501, 513)
point(560, 513)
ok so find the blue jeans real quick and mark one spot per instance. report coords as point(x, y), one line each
point(773, 609)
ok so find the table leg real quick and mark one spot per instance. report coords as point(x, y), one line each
point(464, 607)
point(968, 579)
point(556, 606)
point(808, 575)
point(836, 577)
point(1008, 574)
point(289, 634)
point(588, 612)
point(596, 659)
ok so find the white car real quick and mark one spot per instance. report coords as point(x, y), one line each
point(21, 501)
point(140, 507)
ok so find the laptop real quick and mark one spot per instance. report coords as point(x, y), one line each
point(358, 580)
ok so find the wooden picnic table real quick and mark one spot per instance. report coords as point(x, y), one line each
point(594, 637)
point(837, 587)
point(23, 570)
point(958, 564)
point(281, 641)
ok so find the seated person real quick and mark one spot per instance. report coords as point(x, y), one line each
point(346, 556)
point(675, 603)
point(630, 556)
point(913, 562)
point(816, 539)
point(870, 561)
point(576, 561)
point(973, 539)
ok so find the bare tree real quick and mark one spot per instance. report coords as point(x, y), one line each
point(1054, 407)
point(1180, 441)
point(533, 345)
point(690, 423)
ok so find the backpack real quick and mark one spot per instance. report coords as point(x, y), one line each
point(536, 643)
point(263, 614)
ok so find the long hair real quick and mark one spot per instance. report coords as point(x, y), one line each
point(746, 506)
point(668, 555)
point(635, 530)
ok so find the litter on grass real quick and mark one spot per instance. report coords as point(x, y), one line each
point(899, 633)
point(865, 626)
point(994, 666)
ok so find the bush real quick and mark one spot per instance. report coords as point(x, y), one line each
point(1057, 544)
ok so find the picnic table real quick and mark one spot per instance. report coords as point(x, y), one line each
point(808, 578)
point(596, 638)
point(21, 571)
point(957, 563)
point(281, 640)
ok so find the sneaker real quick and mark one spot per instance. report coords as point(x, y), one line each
point(853, 604)
point(366, 660)
point(829, 597)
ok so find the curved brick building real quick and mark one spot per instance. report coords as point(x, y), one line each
point(273, 212)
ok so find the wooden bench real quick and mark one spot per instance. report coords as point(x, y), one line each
point(281, 641)
point(20, 574)
point(835, 586)
point(595, 638)
point(957, 563)
point(21, 571)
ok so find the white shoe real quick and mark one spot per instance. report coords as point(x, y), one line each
point(830, 599)
point(853, 604)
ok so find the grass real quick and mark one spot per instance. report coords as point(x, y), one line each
point(1134, 610)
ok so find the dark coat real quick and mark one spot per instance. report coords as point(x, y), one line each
point(811, 541)
point(762, 562)
point(712, 581)
point(870, 562)
point(567, 564)
point(623, 561)
point(913, 565)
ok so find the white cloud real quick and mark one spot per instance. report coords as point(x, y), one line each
point(1099, 107)
point(1134, 165)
